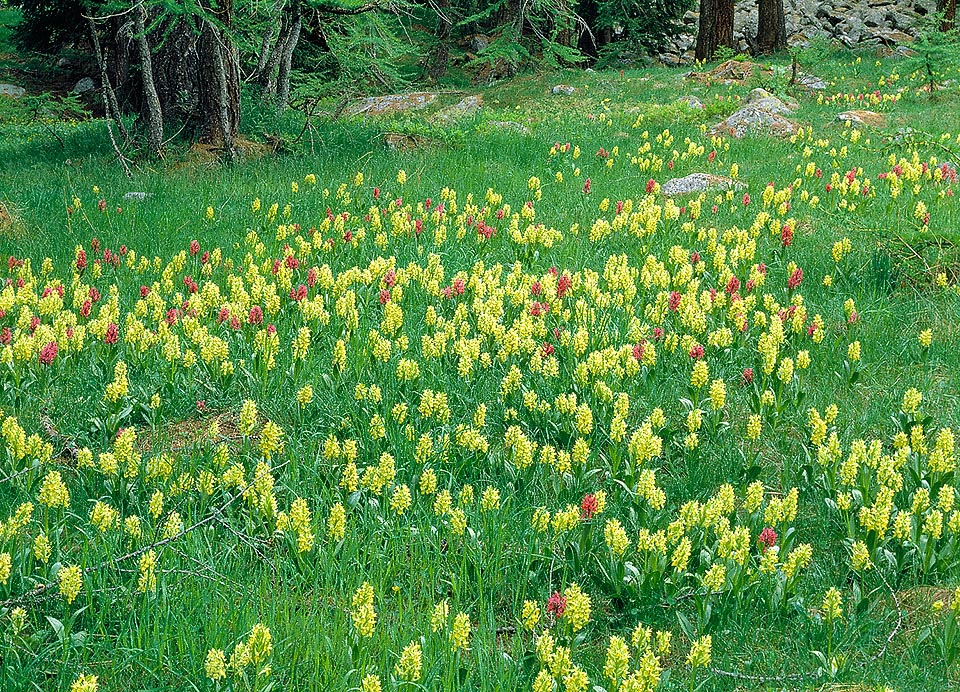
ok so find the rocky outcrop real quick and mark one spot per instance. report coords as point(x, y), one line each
point(11, 90)
point(866, 118)
point(851, 22)
point(391, 104)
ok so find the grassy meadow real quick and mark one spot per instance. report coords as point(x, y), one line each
point(491, 412)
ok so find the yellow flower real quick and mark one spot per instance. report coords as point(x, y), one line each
point(363, 614)
point(370, 683)
point(832, 606)
point(699, 656)
point(70, 582)
point(216, 663)
point(460, 632)
point(530, 615)
point(85, 683)
point(209, 213)
point(616, 537)
point(53, 492)
point(438, 619)
point(409, 667)
point(853, 351)
point(337, 522)
point(577, 612)
point(617, 663)
point(925, 338)
point(860, 557)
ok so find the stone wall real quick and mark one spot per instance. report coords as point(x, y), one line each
point(851, 22)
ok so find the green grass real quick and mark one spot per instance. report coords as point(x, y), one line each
point(216, 581)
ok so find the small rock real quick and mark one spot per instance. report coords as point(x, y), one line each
point(750, 119)
point(699, 182)
point(866, 118)
point(809, 81)
point(563, 90)
point(138, 195)
point(11, 90)
point(761, 99)
point(691, 102)
point(393, 103)
point(84, 85)
point(465, 107)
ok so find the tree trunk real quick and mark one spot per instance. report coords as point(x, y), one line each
point(219, 80)
point(286, 61)
point(771, 27)
point(716, 27)
point(153, 115)
point(272, 70)
point(949, 10)
point(440, 55)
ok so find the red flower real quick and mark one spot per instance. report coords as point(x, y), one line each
point(586, 187)
point(563, 285)
point(746, 198)
point(638, 351)
point(733, 285)
point(547, 349)
point(48, 353)
point(113, 333)
point(651, 185)
point(390, 278)
point(674, 302)
point(747, 375)
point(6, 336)
point(697, 352)
point(85, 309)
point(256, 315)
point(384, 296)
point(81, 259)
point(536, 288)
point(144, 291)
point(459, 286)
point(795, 279)
point(556, 604)
point(768, 538)
point(786, 236)
point(194, 247)
point(588, 506)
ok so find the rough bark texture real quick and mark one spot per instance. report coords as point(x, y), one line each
point(439, 56)
point(771, 26)
point(219, 79)
point(286, 60)
point(716, 27)
point(152, 113)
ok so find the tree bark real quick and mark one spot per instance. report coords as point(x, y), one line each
point(286, 61)
point(771, 27)
point(153, 115)
point(949, 10)
point(219, 81)
point(439, 56)
point(271, 72)
point(716, 27)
